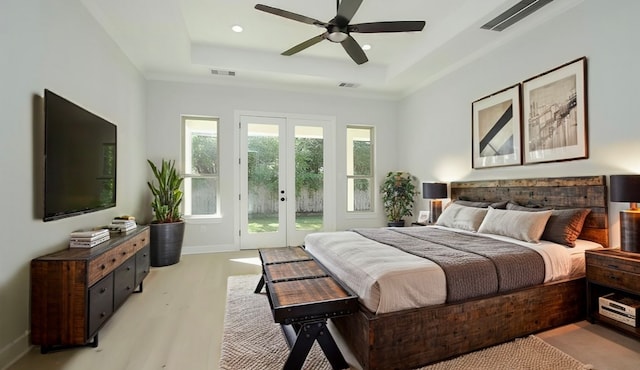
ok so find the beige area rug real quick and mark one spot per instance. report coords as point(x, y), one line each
point(252, 341)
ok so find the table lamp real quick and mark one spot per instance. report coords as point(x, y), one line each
point(434, 191)
point(626, 188)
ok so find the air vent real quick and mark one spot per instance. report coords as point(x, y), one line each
point(514, 14)
point(347, 84)
point(220, 72)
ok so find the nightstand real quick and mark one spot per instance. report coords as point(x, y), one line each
point(612, 271)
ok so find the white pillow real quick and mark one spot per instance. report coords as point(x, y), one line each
point(521, 225)
point(462, 217)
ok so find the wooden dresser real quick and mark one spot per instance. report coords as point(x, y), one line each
point(76, 290)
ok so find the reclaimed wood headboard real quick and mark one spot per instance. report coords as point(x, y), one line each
point(555, 192)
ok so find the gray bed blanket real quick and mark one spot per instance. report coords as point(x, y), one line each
point(473, 265)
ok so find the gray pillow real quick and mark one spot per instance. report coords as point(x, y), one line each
point(565, 225)
point(521, 225)
point(469, 203)
point(461, 217)
point(516, 207)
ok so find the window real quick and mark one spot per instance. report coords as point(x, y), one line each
point(201, 162)
point(360, 169)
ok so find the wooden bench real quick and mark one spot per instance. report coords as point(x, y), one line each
point(303, 295)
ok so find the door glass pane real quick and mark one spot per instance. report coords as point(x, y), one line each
point(309, 158)
point(262, 167)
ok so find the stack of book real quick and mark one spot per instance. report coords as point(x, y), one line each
point(88, 238)
point(123, 224)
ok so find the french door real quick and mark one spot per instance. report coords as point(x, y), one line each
point(283, 176)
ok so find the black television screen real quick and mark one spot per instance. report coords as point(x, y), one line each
point(80, 160)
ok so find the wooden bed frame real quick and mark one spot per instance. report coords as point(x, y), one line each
point(416, 337)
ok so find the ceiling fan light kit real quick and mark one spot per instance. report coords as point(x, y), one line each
point(338, 29)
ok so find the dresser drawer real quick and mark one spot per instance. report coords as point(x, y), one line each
point(140, 241)
point(613, 278)
point(143, 262)
point(104, 264)
point(123, 281)
point(100, 304)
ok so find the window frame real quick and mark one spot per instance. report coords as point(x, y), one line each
point(351, 176)
point(187, 135)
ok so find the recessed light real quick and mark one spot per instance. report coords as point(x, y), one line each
point(236, 28)
point(366, 47)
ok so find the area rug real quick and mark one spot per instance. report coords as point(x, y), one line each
point(252, 341)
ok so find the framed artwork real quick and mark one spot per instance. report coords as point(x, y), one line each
point(496, 129)
point(555, 114)
point(423, 217)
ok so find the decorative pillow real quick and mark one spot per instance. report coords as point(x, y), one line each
point(565, 225)
point(522, 225)
point(461, 217)
point(468, 203)
point(530, 208)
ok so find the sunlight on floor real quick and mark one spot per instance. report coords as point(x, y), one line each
point(249, 261)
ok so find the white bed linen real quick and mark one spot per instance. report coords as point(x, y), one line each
point(387, 279)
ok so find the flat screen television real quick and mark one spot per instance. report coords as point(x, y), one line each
point(79, 160)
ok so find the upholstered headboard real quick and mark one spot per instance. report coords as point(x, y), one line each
point(558, 193)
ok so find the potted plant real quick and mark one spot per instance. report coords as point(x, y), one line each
point(398, 194)
point(167, 227)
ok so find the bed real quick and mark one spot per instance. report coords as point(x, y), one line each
point(411, 334)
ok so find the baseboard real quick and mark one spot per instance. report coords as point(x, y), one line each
point(13, 351)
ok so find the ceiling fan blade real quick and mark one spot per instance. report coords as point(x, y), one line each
point(354, 50)
point(289, 15)
point(346, 10)
point(398, 26)
point(303, 45)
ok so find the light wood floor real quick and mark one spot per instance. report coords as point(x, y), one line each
point(176, 323)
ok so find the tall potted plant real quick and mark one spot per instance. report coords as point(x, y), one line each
point(398, 194)
point(167, 227)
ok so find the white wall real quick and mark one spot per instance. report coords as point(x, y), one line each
point(167, 101)
point(56, 45)
point(437, 119)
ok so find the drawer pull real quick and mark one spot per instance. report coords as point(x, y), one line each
point(103, 266)
point(103, 290)
point(144, 254)
point(613, 267)
point(135, 244)
point(103, 314)
point(614, 278)
point(128, 268)
point(124, 253)
point(128, 287)
point(113, 259)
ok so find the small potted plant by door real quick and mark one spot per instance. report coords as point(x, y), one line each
point(167, 227)
point(398, 194)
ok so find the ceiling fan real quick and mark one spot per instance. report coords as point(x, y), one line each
point(338, 29)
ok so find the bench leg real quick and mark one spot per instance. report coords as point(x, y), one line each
point(301, 343)
point(331, 350)
point(260, 285)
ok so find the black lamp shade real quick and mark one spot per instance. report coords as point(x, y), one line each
point(434, 190)
point(625, 188)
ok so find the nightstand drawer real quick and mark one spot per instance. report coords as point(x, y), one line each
point(613, 278)
point(615, 260)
